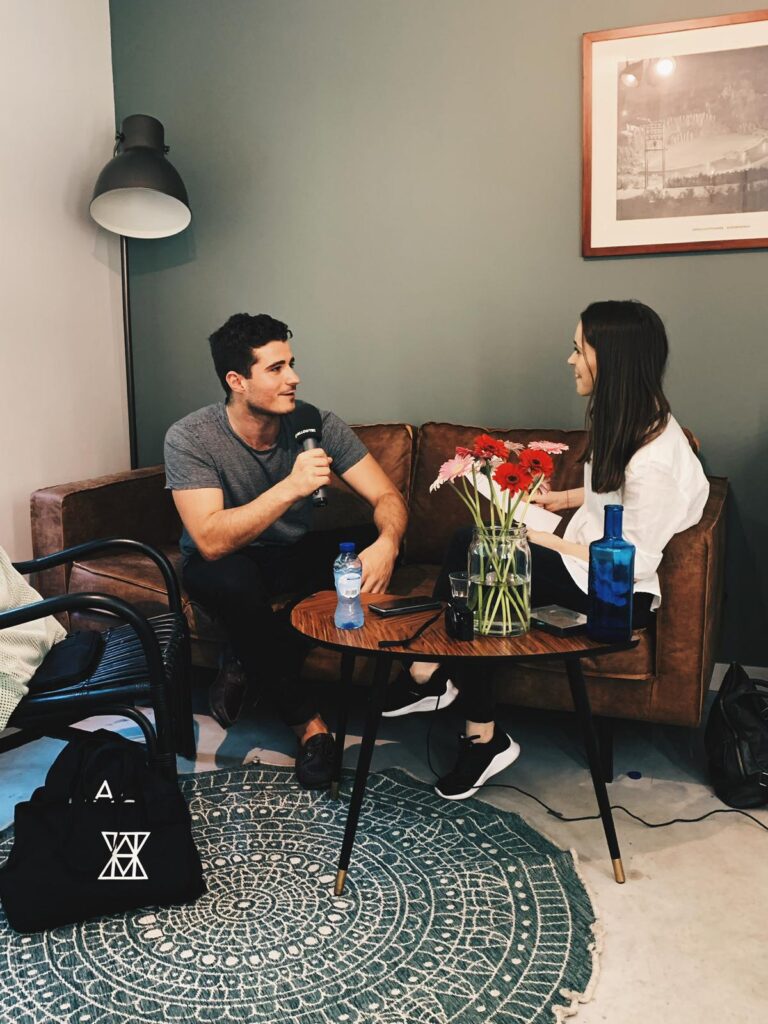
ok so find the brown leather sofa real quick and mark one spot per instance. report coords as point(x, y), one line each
point(663, 680)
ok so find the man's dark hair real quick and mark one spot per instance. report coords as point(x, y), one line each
point(233, 344)
point(628, 406)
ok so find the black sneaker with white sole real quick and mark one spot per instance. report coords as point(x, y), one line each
point(476, 763)
point(404, 696)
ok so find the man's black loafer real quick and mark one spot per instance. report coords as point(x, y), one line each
point(227, 693)
point(314, 762)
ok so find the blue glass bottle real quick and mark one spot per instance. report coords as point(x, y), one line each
point(611, 579)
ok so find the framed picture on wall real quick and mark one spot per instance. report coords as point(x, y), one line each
point(675, 137)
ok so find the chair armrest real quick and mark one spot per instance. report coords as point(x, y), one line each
point(102, 603)
point(95, 547)
point(129, 504)
point(688, 620)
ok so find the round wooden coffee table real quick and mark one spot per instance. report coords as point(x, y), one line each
point(313, 617)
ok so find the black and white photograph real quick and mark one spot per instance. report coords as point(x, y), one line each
point(688, 154)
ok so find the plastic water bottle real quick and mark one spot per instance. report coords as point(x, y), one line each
point(348, 574)
point(611, 581)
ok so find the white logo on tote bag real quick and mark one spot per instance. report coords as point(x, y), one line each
point(124, 864)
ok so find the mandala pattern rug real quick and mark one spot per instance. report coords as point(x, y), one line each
point(453, 912)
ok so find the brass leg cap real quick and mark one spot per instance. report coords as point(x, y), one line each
point(334, 791)
point(618, 871)
point(341, 877)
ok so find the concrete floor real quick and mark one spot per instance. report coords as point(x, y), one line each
point(683, 940)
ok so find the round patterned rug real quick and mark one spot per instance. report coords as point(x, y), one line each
point(453, 912)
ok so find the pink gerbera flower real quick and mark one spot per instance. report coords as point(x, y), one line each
point(453, 469)
point(550, 447)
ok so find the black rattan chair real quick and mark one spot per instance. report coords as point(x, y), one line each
point(147, 660)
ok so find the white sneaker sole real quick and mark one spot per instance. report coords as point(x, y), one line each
point(426, 703)
point(498, 764)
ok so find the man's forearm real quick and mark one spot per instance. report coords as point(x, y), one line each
point(233, 528)
point(391, 518)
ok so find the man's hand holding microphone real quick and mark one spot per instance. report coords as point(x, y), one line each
point(311, 471)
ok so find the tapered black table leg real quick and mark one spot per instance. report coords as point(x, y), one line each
point(584, 715)
point(604, 731)
point(347, 669)
point(375, 703)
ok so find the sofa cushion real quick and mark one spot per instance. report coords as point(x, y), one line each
point(435, 517)
point(391, 444)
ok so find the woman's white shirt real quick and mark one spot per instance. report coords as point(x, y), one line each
point(664, 492)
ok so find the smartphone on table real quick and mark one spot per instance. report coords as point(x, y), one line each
point(404, 606)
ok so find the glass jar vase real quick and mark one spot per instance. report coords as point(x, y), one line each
point(499, 566)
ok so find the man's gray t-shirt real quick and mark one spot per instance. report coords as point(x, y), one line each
point(202, 450)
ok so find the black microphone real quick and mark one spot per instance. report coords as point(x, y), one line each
point(308, 431)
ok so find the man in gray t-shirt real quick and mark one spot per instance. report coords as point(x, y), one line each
point(203, 450)
point(243, 488)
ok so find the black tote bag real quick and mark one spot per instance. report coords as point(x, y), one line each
point(104, 834)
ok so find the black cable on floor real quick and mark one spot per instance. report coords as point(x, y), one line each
point(592, 817)
point(619, 807)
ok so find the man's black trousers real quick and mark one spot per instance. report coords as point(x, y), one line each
point(238, 589)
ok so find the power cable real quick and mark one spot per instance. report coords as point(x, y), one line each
point(592, 817)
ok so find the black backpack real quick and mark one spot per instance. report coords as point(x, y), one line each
point(105, 834)
point(736, 740)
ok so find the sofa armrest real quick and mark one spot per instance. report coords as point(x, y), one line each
point(132, 504)
point(689, 618)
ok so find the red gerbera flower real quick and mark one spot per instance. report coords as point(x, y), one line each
point(512, 477)
point(537, 463)
point(486, 447)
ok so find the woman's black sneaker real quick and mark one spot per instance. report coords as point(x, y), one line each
point(476, 763)
point(314, 762)
point(404, 696)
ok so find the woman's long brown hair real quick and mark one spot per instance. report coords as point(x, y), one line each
point(627, 406)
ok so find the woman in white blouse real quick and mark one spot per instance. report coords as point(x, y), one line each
point(637, 456)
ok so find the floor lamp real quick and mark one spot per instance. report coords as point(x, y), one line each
point(139, 194)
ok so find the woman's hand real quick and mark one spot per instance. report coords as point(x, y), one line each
point(542, 538)
point(565, 547)
point(554, 501)
point(557, 501)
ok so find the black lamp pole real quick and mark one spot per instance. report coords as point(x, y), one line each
point(128, 337)
point(139, 194)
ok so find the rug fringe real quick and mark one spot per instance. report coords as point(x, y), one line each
point(595, 949)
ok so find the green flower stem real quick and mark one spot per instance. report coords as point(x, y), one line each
point(510, 601)
point(478, 510)
point(487, 471)
point(466, 499)
point(513, 508)
point(530, 494)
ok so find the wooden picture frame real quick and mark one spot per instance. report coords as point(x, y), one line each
point(675, 137)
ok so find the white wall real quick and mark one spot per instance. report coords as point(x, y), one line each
point(62, 380)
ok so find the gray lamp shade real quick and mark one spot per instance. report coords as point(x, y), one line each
point(139, 193)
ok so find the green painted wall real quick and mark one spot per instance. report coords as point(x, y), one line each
point(399, 180)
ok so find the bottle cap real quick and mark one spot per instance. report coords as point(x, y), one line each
point(347, 545)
